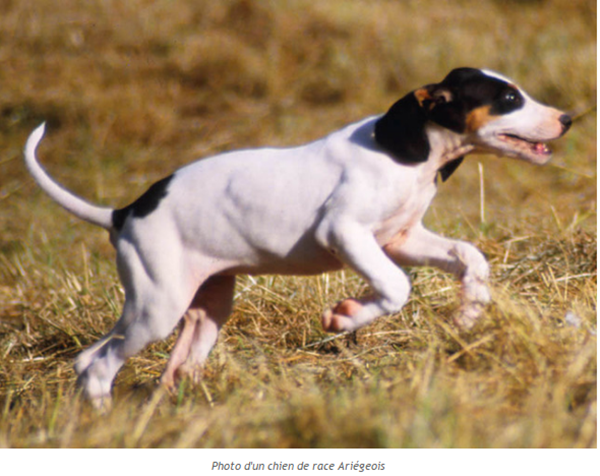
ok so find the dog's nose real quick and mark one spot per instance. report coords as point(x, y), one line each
point(566, 121)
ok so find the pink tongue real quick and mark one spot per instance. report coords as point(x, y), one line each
point(541, 148)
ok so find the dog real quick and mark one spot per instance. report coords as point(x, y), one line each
point(354, 198)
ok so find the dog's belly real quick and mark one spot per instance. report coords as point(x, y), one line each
point(308, 262)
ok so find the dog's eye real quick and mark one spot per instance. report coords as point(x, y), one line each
point(508, 100)
point(511, 96)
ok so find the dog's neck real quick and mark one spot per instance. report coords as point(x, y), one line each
point(445, 146)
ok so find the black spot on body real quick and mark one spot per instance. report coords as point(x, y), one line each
point(144, 205)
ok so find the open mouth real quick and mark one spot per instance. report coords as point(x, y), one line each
point(524, 145)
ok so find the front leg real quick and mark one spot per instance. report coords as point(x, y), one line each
point(355, 246)
point(420, 247)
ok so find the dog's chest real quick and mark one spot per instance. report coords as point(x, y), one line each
point(406, 215)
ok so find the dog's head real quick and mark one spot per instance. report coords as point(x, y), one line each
point(492, 113)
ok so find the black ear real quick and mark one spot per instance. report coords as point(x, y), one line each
point(451, 115)
point(401, 130)
point(445, 108)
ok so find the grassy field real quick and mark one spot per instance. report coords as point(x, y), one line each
point(132, 90)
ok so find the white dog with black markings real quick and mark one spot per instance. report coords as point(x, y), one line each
point(355, 198)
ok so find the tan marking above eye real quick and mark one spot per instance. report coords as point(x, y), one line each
point(478, 118)
point(422, 95)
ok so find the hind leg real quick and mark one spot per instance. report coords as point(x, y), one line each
point(138, 326)
point(157, 294)
point(97, 365)
point(181, 350)
point(207, 314)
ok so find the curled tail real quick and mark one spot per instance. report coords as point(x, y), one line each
point(101, 216)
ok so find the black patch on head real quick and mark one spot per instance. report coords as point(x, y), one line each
point(452, 114)
point(471, 89)
point(402, 130)
point(144, 205)
point(449, 168)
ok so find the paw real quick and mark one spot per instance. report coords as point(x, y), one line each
point(475, 296)
point(191, 372)
point(475, 290)
point(168, 381)
point(339, 319)
point(102, 404)
point(95, 393)
point(171, 379)
point(468, 315)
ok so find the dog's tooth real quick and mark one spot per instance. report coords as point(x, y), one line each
point(541, 148)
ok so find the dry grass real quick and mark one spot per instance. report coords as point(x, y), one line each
point(132, 90)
